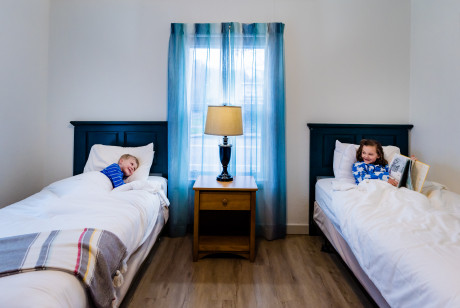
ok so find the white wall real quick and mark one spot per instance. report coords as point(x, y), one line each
point(435, 88)
point(346, 61)
point(23, 90)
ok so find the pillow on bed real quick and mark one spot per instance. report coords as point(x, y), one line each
point(389, 151)
point(345, 157)
point(102, 156)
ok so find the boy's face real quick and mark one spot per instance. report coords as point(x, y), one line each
point(127, 166)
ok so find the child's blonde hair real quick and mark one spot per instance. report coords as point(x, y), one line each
point(370, 142)
point(128, 156)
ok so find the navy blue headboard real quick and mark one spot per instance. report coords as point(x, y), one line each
point(322, 145)
point(126, 134)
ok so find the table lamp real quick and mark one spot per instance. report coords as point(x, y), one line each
point(224, 121)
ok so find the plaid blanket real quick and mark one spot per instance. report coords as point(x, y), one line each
point(93, 255)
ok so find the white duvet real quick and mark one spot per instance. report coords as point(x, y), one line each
point(408, 243)
point(85, 200)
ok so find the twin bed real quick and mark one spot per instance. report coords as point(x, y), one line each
point(80, 227)
point(402, 246)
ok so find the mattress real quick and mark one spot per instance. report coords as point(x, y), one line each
point(323, 194)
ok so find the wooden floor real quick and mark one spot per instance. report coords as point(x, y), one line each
point(292, 272)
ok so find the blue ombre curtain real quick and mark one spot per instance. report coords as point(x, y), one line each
point(233, 64)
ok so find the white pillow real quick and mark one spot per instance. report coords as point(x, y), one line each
point(389, 151)
point(345, 157)
point(102, 156)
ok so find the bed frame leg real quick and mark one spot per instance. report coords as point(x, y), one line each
point(327, 246)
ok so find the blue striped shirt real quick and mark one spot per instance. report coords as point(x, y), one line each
point(114, 173)
point(363, 171)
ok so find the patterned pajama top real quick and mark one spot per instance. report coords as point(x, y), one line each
point(362, 171)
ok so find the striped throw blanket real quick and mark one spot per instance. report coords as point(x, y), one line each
point(93, 255)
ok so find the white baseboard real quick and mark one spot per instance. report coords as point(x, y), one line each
point(297, 229)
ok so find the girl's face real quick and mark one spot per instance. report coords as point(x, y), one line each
point(369, 154)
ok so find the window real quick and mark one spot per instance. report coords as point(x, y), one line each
point(247, 91)
point(204, 60)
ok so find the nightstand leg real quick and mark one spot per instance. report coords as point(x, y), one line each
point(252, 236)
point(196, 225)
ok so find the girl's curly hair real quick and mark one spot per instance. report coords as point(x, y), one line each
point(370, 142)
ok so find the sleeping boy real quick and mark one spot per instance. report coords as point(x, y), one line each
point(126, 166)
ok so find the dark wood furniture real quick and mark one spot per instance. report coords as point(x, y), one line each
point(322, 145)
point(125, 134)
point(224, 217)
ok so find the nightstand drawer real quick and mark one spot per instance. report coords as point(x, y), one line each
point(236, 201)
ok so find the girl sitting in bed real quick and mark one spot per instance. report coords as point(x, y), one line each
point(371, 163)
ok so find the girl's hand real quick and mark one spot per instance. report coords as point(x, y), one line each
point(393, 182)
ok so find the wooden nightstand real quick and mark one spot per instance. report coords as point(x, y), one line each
point(225, 217)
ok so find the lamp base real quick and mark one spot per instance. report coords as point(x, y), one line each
point(224, 177)
point(225, 151)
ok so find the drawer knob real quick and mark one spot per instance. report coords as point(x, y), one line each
point(224, 202)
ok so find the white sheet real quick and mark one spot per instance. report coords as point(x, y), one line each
point(324, 190)
point(163, 182)
point(342, 248)
point(85, 200)
point(407, 243)
point(323, 195)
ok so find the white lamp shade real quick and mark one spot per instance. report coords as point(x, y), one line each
point(224, 121)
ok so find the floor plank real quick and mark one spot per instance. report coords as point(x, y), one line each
point(292, 272)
